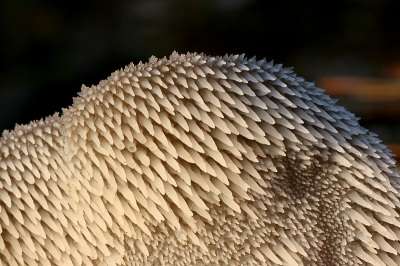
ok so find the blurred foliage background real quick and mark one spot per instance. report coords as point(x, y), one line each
point(48, 49)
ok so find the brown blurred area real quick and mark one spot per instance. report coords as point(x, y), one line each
point(375, 100)
point(48, 49)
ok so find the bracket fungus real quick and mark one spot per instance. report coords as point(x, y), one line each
point(198, 160)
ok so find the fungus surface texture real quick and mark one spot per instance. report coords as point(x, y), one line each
point(198, 160)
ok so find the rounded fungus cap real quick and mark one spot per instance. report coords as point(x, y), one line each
point(198, 160)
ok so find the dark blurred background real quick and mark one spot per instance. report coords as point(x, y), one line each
point(48, 49)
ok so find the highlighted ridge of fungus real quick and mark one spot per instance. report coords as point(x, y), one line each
point(198, 160)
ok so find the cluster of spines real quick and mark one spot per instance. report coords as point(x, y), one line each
point(36, 200)
point(223, 160)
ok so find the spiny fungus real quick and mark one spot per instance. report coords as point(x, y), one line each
point(198, 160)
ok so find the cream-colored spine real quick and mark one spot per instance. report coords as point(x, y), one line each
point(198, 160)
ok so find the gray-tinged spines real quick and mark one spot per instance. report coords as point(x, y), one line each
point(198, 160)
